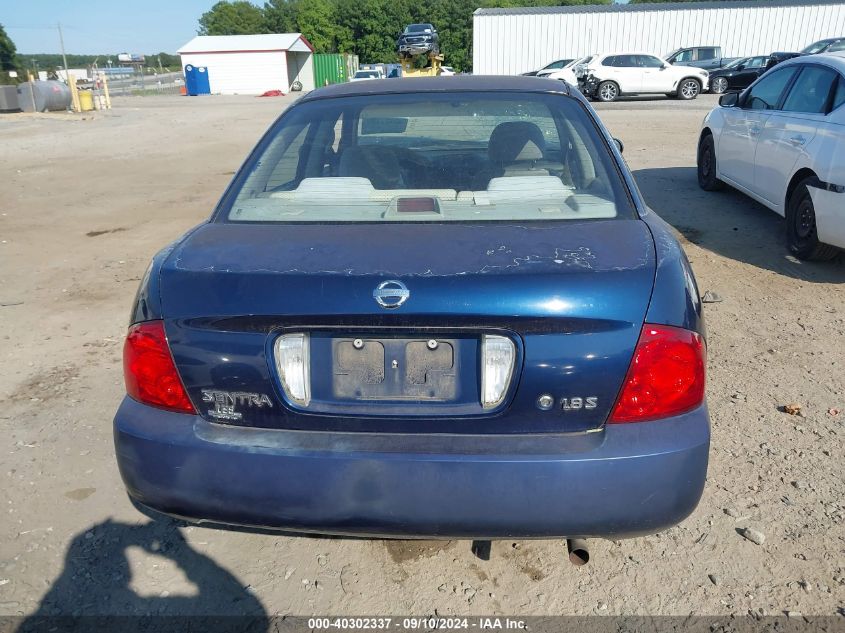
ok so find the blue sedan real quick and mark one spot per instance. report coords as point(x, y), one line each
point(427, 308)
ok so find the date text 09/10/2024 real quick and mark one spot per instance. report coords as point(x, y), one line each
point(426, 623)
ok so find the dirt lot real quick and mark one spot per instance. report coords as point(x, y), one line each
point(87, 200)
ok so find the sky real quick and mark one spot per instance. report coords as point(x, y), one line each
point(102, 26)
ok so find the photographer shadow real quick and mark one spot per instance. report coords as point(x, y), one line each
point(94, 589)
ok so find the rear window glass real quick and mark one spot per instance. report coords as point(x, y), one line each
point(430, 157)
point(816, 47)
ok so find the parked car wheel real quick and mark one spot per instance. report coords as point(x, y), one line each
point(707, 165)
point(607, 91)
point(719, 85)
point(689, 89)
point(801, 235)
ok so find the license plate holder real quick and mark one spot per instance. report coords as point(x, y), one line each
point(395, 369)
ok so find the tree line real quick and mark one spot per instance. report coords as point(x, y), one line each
point(367, 28)
point(51, 61)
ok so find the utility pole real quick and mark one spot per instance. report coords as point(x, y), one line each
point(64, 57)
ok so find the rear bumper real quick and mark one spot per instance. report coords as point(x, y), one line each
point(830, 216)
point(624, 481)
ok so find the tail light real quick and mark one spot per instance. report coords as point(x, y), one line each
point(666, 376)
point(149, 371)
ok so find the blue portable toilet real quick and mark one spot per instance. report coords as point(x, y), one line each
point(196, 80)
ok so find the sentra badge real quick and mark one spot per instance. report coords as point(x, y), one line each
point(227, 402)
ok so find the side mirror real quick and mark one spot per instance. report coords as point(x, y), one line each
point(741, 67)
point(619, 145)
point(664, 66)
point(729, 100)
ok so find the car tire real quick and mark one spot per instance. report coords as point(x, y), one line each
point(719, 85)
point(801, 236)
point(607, 91)
point(688, 89)
point(707, 179)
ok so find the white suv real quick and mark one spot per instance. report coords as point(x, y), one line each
point(642, 73)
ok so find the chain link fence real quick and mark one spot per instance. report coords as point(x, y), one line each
point(132, 82)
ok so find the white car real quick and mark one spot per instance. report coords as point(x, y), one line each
point(642, 73)
point(782, 142)
point(567, 73)
point(364, 75)
point(550, 68)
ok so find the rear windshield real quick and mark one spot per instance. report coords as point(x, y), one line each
point(423, 157)
point(737, 62)
point(816, 47)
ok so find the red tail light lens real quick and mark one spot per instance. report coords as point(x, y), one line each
point(666, 376)
point(149, 372)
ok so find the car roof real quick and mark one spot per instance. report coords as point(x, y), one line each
point(459, 83)
point(834, 60)
point(626, 53)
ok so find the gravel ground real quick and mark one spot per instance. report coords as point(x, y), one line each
point(87, 200)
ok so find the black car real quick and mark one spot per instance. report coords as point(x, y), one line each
point(830, 45)
point(418, 39)
point(737, 75)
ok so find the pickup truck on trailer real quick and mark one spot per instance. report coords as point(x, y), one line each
point(707, 57)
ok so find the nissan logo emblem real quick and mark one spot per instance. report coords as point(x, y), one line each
point(391, 294)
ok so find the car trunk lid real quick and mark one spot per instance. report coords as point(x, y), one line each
point(572, 297)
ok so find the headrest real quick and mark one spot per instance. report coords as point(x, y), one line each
point(377, 164)
point(516, 141)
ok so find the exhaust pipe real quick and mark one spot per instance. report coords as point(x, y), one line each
point(579, 551)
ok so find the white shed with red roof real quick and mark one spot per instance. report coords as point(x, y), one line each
point(252, 64)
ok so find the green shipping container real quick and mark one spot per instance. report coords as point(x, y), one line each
point(333, 68)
